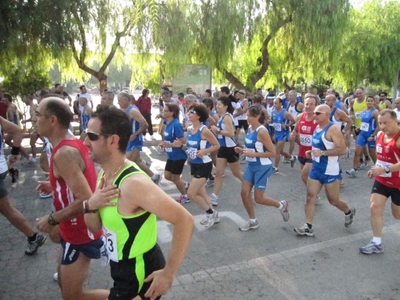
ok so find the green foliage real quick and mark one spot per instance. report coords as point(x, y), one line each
point(23, 80)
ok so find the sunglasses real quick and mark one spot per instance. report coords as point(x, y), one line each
point(192, 111)
point(94, 136)
point(318, 113)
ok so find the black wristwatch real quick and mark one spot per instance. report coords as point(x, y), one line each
point(387, 169)
point(51, 221)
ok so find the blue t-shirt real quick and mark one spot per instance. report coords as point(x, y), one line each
point(173, 130)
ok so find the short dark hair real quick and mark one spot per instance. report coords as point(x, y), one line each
point(114, 121)
point(55, 107)
point(181, 95)
point(225, 90)
point(174, 109)
point(8, 97)
point(82, 86)
point(209, 103)
point(257, 99)
point(201, 111)
point(383, 93)
point(145, 92)
point(227, 102)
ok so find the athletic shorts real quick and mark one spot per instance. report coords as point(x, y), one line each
point(362, 140)
point(304, 160)
point(281, 136)
point(175, 166)
point(132, 145)
point(381, 189)
point(323, 178)
point(201, 170)
point(127, 282)
point(71, 252)
point(3, 190)
point(242, 124)
point(228, 153)
point(258, 175)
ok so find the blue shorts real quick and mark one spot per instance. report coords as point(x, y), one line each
point(323, 178)
point(362, 140)
point(133, 145)
point(258, 175)
point(71, 252)
point(281, 136)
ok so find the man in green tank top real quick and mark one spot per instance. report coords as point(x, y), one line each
point(126, 204)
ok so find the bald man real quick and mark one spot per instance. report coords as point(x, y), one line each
point(327, 145)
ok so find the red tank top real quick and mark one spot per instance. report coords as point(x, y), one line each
point(73, 231)
point(306, 130)
point(388, 154)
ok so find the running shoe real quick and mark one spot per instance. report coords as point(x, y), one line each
point(183, 199)
point(157, 179)
point(55, 276)
point(285, 210)
point(286, 160)
point(372, 248)
point(293, 161)
point(249, 225)
point(45, 196)
point(210, 219)
point(275, 170)
point(34, 245)
point(214, 199)
point(352, 172)
point(348, 219)
point(14, 174)
point(304, 230)
point(366, 161)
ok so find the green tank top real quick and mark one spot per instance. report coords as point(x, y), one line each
point(358, 109)
point(128, 237)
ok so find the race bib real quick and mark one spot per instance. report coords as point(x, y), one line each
point(251, 159)
point(277, 126)
point(364, 126)
point(382, 164)
point(111, 244)
point(305, 139)
point(191, 152)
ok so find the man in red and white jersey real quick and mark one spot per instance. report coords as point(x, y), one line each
point(72, 180)
point(387, 177)
point(302, 134)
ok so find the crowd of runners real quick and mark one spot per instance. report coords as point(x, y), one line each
point(109, 216)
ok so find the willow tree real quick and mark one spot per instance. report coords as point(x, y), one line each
point(371, 47)
point(241, 39)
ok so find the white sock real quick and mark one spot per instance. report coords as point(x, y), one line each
point(253, 221)
point(280, 205)
point(214, 195)
point(377, 240)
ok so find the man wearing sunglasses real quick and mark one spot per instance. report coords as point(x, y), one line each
point(127, 204)
point(327, 145)
point(72, 180)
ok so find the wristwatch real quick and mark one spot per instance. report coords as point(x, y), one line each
point(387, 169)
point(51, 221)
point(322, 153)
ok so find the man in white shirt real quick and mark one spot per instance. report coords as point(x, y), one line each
point(397, 109)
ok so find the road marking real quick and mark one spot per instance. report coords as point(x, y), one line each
point(271, 272)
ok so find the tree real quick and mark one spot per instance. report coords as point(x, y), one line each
point(242, 39)
point(370, 47)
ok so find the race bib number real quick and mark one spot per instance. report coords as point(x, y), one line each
point(383, 164)
point(111, 244)
point(305, 140)
point(358, 115)
point(364, 126)
point(191, 152)
point(251, 159)
point(277, 126)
